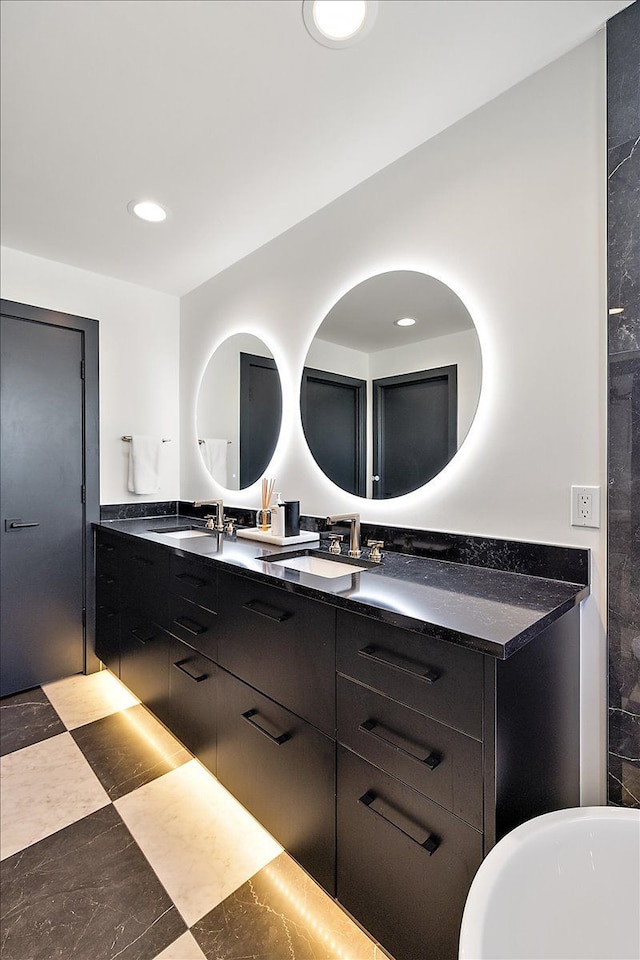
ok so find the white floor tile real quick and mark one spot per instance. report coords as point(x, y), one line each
point(44, 788)
point(200, 841)
point(81, 699)
point(184, 948)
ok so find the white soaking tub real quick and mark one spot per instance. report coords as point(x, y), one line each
point(563, 886)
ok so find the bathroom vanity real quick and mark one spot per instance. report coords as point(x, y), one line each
point(386, 726)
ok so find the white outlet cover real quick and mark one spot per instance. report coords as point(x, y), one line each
point(585, 506)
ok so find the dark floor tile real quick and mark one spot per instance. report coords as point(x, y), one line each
point(127, 749)
point(85, 893)
point(280, 914)
point(27, 718)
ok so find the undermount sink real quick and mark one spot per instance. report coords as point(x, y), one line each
point(180, 533)
point(325, 565)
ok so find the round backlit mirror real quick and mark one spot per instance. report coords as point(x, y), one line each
point(391, 384)
point(239, 411)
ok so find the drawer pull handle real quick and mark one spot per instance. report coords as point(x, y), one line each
point(180, 665)
point(373, 803)
point(264, 610)
point(107, 547)
point(143, 561)
point(250, 714)
point(191, 626)
point(394, 660)
point(103, 578)
point(139, 636)
point(190, 580)
point(374, 730)
point(107, 611)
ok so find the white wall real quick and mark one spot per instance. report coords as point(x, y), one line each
point(507, 208)
point(139, 359)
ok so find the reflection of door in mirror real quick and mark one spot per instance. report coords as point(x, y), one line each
point(260, 413)
point(334, 419)
point(239, 411)
point(414, 429)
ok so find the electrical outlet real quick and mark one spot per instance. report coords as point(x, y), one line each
point(585, 506)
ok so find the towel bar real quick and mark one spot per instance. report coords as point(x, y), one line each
point(204, 441)
point(128, 440)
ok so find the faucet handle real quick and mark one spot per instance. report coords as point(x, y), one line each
point(336, 540)
point(375, 554)
point(228, 524)
point(209, 517)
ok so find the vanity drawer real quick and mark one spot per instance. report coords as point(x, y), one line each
point(282, 770)
point(108, 632)
point(438, 679)
point(191, 710)
point(439, 762)
point(194, 581)
point(280, 643)
point(144, 660)
point(193, 624)
point(404, 865)
point(145, 574)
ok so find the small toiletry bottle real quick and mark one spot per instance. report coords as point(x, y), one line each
point(277, 517)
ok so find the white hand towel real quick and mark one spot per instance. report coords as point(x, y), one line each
point(214, 454)
point(144, 464)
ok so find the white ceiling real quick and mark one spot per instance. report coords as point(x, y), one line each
point(230, 115)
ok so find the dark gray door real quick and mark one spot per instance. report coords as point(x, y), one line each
point(334, 412)
point(415, 428)
point(260, 415)
point(43, 525)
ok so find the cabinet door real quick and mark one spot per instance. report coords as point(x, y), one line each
point(144, 660)
point(280, 643)
point(404, 864)
point(283, 770)
point(193, 624)
point(108, 630)
point(438, 679)
point(443, 764)
point(191, 711)
point(194, 580)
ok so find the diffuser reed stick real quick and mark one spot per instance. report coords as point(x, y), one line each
point(267, 495)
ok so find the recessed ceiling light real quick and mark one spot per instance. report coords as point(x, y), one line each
point(147, 210)
point(616, 310)
point(339, 23)
point(404, 322)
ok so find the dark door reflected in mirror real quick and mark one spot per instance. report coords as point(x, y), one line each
point(385, 406)
point(239, 411)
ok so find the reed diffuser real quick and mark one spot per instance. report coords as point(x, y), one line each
point(264, 514)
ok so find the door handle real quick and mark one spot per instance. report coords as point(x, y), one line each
point(17, 524)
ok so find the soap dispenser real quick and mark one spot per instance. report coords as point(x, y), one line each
point(277, 517)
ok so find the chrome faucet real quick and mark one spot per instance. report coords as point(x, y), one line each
point(217, 516)
point(354, 535)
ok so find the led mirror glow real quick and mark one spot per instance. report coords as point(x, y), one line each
point(384, 409)
point(239, 411)
point(147, 210)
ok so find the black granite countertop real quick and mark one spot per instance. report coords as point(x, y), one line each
point(492, 611)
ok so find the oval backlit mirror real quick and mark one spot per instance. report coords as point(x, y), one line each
point(386, 402)
point(239, 411)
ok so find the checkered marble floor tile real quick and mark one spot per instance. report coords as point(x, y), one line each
point(118, 845)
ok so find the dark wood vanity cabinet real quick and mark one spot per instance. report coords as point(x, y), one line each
point(441, 751)
point(387, 762)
